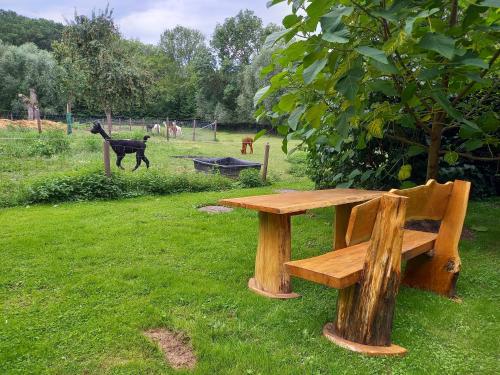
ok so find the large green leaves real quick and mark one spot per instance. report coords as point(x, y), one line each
point(373, 53)
point(348, 85)
point(440, 43)
point(312, 70)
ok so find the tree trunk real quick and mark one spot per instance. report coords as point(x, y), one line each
point(434, 148)
point(365, 310)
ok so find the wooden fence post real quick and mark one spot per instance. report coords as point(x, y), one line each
point(107, 165)
point(215, 130)
point(130, 124)
point(266, 162)
point(194, 130)
point(37, 117)
point(166, 129)
point(143, 123)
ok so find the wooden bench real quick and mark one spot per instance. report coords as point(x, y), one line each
point(367, 271)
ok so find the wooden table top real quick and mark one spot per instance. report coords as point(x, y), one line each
point(293, 202)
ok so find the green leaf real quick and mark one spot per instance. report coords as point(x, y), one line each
point(471, 59)
point(312, 70)
point(407, 185)
point(376, 128)
point(386, 14)
point(408, 92)
point(273, 38)
point(290, 20)
point(295, 116)
point(261, 94)
point(415, 150)
point(411, 20)
point(316, 8)
point(451, 157)
point(259, 134)
point(331, 21)
point(314, 114)
point(384, 68)
point(287, 102)
point(340, 36)
point(442, 44)
point(348, 85)
point(472, 144)
point(384, 86)
point(404, 172)
point(373, 53)
point(270, 3)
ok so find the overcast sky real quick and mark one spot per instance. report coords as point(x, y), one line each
point(147, 19)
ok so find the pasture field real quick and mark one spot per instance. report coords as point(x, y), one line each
point(18, 168)
point(80, 282)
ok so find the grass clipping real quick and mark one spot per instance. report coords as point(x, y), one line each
point(176, 347)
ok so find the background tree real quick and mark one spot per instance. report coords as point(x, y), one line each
point(114, 79)
point(24, 67)
point(17, 30)
point(366, 70)
point(181, 43)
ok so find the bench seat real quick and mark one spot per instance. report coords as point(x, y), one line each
point(342, 268)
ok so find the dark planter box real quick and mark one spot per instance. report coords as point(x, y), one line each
point(229, 167)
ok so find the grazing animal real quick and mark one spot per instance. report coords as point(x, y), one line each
point(149, 127)
point(121, 147)
point(174, 130)
point(156, 128)
point(247, 141)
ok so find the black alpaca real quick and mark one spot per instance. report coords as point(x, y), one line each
point(121, 147)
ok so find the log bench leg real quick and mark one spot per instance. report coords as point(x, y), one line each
point(365, 310)
point(274, 249)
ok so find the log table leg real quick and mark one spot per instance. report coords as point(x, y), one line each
point(365, 310)
point(274, 248)
point(342, 214)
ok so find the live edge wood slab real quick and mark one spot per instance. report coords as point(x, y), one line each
point(274, 245)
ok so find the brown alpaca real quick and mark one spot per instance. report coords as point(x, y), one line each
point(247, 141)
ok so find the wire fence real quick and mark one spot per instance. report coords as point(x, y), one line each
point(172, 129)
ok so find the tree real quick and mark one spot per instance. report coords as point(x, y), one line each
point(181, 43)
point(18, 30)
point(113, 78)
point(404, 70)
point(238, 37)
point(27, 67)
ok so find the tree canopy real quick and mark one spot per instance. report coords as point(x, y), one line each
point(410, 71)
point(17, 30)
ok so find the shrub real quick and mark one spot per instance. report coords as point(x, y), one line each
point(92, 144)
point(298, 161)
point(49, 143)
point(93, 185)
point(250, 178)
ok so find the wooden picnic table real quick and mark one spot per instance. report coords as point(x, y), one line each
point(274, 244)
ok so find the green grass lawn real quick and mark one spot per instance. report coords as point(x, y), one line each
point(80, 282)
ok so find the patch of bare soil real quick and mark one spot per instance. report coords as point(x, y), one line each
point(215, 209)
point(31, 124)
point(433, 227)
point(176, 347)
point(285, 191)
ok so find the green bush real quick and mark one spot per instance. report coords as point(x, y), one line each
point(250, 178)
point(298, 161)
point(92, 144)
point(94, 185)
point(49, 143)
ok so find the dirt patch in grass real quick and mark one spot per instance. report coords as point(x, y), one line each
point(433, 227)
point(215, 209)
point(285, 191)
point(31, 124)
point(176, 347)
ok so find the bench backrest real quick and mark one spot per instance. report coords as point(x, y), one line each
point(433, 201)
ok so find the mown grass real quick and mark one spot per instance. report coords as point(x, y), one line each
point(80, 282)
